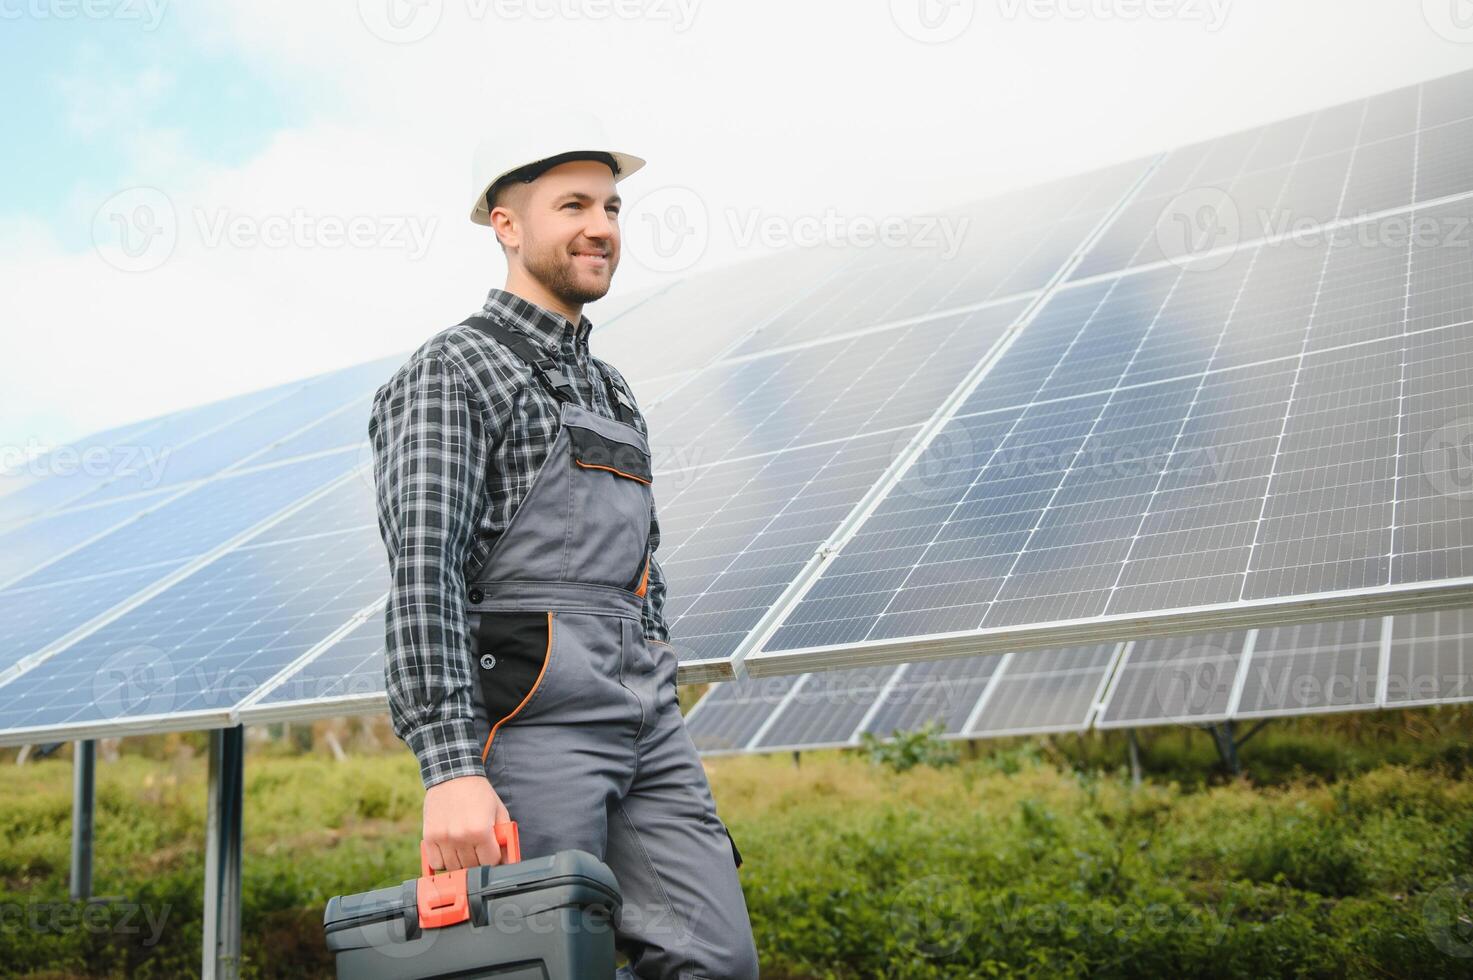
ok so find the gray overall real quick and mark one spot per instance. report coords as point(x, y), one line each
point(581, 732)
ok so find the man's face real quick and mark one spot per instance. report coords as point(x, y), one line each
point(567, 229)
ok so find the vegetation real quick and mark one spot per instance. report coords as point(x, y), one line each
point(1345, 850)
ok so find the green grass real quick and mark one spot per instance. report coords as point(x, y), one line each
point(1338, 855)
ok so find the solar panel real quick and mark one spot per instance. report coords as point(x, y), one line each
point(698, 320)
point(36, 542)
point(241, 439)
point(1005, 246)
point(1040, 691)
point(100, 459)
point(1429, 658)
point(1341, 163)
point(1307, 668)
point(193, 651)
point(43, 608)
point(1312, 667)
point(1192, 438)
point(348, 674)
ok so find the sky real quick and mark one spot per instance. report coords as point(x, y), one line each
point(203, 199)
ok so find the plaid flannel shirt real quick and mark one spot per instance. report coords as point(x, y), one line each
point(459, 432)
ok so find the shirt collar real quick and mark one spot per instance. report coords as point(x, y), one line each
point(549, 330)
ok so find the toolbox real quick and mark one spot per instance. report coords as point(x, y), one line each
point(541, 919)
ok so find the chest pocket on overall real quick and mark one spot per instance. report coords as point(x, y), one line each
point(611, 504)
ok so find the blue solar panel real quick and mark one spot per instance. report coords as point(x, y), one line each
point(239, 440)
point(1193, 437)
point(352, 667)
point(41, 540)
point(875, 381)
point(142, 451)
point(1342, 163)
point(33, 619)
point(208, 641)
point(198, 521)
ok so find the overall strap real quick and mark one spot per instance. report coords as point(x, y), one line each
point(543, 366)
point(546, 368)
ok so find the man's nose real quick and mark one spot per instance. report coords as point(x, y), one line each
point(599, 225)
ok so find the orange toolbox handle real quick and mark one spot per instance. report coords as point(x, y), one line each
point(442, 897)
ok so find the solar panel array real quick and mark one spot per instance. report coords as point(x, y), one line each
point(1335, 666)
point(1061, 406)
point(1228, 436)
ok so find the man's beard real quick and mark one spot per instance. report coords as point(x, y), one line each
point(558, 277)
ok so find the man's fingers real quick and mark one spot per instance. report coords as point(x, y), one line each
point(433, 855)
point(488, 852)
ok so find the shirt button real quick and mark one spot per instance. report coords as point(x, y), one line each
point(476, 595)
point(488, 661)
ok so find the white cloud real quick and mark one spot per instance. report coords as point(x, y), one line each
point(792, 109)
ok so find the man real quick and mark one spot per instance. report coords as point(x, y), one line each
point(528, 660)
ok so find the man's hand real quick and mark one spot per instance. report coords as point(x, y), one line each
point(459, 815)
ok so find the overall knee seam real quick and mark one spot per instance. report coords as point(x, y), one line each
point(654, 875)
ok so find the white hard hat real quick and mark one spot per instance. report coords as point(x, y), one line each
point(553, 135)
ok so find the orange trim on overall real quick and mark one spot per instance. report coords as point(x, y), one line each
point(644, 580)
point(535, 684)
point(596, 466)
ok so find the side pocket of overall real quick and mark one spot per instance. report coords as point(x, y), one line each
point(736, 855)
point(513, 650)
